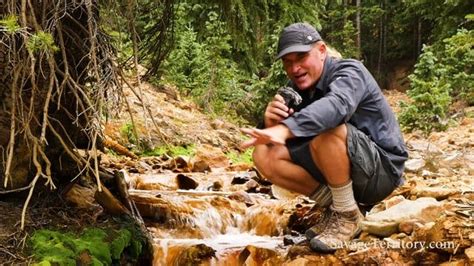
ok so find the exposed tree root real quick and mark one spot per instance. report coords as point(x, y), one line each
point(60, 81)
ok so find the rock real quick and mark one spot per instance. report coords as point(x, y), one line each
point(299, 262)
point(194, 255)
point(469, 254)
point(454, 263)
point(82, 197)
point(145, 166)
point(426, 173)
point(424, 146)
point(423, 257)
point(438, 193)
point(299, 251)
point(179, 162)
point(239, 167)
point(186, 182)
point(444, 172)
point(291, 240)
point(414, 165)
point(200, 166)
point(251, 186)
point(305, 217)
point(213, 156)
point(386, 222)
point(253, 255)
point(407, 226)
point(380, 228)
point(216, 186)
point(217, 124)
point(387, 204)
point(242, 196)
point(393, 201)
point(240, 178)
point(282, 193)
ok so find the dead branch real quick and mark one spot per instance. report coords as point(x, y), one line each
point(115, 146)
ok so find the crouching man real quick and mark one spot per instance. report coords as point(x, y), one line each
point(341, 146)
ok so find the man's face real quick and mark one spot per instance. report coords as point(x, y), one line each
point(305, 68)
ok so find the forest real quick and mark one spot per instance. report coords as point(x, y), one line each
point(65, 65)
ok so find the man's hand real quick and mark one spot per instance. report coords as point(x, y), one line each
point(276, 111)
point(275, 135)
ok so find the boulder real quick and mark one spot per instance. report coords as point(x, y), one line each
point(386, 223)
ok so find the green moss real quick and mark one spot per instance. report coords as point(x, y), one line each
point(10, 24)
point(127, 131)
point(53, 247)
point(93, 240)
point(158, 151)
point(240, 157)
point(41, 41)
point(120, 243)
point(187, 150)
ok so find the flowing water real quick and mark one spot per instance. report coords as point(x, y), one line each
point(215, 228)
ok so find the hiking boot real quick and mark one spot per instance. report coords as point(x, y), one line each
point(320, 225)
point(341, 227)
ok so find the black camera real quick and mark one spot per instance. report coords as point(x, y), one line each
point(292, 98)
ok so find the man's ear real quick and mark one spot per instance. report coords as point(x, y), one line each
point(322, 48)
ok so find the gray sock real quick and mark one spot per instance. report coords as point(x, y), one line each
point(343, 198)
point(322, 195)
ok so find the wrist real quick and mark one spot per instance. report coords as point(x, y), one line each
point(284, 131)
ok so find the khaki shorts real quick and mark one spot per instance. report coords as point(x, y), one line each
point(371, 181)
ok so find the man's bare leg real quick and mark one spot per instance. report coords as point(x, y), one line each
point(330, 154)
point(274, 162)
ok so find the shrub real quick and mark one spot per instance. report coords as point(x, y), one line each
point(442, 74)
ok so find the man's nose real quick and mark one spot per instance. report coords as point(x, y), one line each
point(294, 67)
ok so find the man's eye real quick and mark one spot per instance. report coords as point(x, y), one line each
point(301, 55)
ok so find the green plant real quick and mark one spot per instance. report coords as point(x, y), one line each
point(240, 157)
point(456, 57)
point(41, 41)
point(430, 96)
point(128, 132)
point(57, 248)
point(10, 24)
point(443, 72)
point(186, 150)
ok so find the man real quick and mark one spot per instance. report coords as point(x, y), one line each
point(342, 142)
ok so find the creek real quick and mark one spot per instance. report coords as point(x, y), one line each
point(201, 226)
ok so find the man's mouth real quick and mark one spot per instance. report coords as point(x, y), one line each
point(300, 76)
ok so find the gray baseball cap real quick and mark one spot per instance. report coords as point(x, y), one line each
point(297, 37)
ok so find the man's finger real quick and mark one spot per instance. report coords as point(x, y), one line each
point(279, 105)
point(279, 98)
point(248, 143)
point(277, 141)
point(250, 132)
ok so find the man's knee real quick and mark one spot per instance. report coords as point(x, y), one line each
point(265, 157)
point(330, 138)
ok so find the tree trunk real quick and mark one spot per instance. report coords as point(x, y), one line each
point(381, 40)
point(358, 44)
point(418, 39)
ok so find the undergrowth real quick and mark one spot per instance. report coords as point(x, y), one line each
point(92, 247)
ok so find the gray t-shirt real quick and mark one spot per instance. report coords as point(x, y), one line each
point(347, 93)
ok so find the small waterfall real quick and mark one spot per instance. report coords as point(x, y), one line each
point(212, 226)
